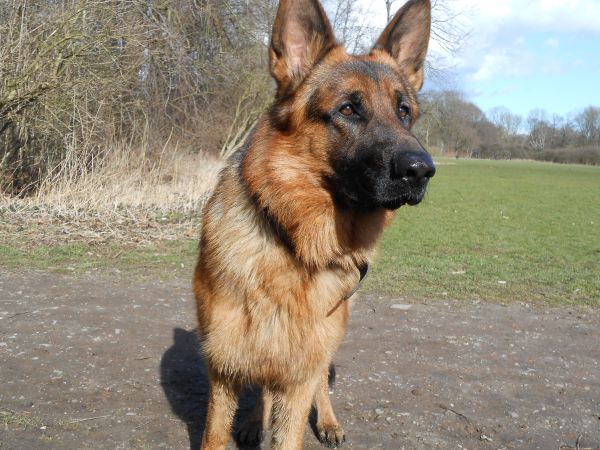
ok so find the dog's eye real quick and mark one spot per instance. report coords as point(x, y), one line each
point(403, 111)
point(347, 110)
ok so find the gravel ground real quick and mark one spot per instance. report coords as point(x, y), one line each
point(112, 361)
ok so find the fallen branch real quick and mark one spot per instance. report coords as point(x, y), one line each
point(33, 311)
point(21, 314)
point(87, 419)
point(473, 428)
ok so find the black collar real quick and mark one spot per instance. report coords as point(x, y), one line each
point(364, 270)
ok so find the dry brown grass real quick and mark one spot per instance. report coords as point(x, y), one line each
point(129, 196)
point(124, 186)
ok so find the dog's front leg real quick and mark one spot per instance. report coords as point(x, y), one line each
point(329, 430)
point(291, 406)
point(222, 405)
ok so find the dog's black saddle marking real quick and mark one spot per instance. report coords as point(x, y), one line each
point(280, 232)
point(283, 237)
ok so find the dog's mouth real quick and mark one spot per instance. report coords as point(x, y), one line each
point(399, 193)
point(410, 198)
point(394, 204)
point(367, 199)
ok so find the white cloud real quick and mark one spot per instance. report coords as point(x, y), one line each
point(497, 45)
point(500, 31)
point(501, 63)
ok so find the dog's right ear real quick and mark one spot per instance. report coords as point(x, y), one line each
point(301, 36)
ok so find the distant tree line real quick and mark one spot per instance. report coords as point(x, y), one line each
point(451, 125)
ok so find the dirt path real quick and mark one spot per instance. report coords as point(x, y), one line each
point(107, 362)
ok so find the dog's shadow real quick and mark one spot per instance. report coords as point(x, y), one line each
point(184, 379)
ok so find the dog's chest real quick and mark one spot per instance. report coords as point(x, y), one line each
point(272, 333)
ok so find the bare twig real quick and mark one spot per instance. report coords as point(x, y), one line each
point(20, 314)
point(87, 419)
point(33, 311)
point(470, 424)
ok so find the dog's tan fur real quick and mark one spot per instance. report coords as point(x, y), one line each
point(269, 310)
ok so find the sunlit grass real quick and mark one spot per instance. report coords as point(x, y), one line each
point(498, 230)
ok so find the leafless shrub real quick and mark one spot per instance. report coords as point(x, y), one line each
point(82, 80)
point(571, 155)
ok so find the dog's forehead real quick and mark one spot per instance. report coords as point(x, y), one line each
point(374, 70)
point(366, 74)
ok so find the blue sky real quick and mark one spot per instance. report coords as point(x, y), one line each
point(559, 72)
point(523, 54)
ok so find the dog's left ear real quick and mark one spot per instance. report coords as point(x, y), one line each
point(406, 38)
point(301, 36)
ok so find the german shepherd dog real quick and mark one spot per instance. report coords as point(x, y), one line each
point(296, 215)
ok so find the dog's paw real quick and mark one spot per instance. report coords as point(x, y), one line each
point(250, 434)
point(331, 435)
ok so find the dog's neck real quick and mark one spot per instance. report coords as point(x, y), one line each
point(287, 185)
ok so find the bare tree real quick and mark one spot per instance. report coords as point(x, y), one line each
point(79, 78)
point(388, 9)
point(349, 21)
point(447, 29)
point(588, 124)
point(539, 128)
point(509, 122)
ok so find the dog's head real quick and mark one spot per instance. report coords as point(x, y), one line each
point(356, 111)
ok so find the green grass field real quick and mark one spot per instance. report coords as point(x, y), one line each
point(498, 230)
point(490, 230)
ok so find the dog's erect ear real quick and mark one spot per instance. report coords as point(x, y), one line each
point(301, 36)
point(406, 38)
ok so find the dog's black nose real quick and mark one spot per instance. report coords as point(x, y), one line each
point(415, 168)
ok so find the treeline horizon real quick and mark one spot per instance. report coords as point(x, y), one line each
point(451, 125)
